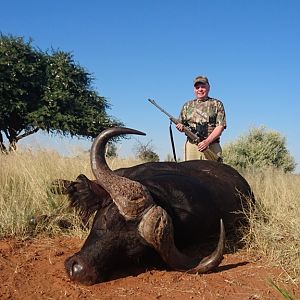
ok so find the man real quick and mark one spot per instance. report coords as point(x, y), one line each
point(205, 116)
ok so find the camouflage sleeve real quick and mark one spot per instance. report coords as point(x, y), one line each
point(182, 116)
point(221, 116)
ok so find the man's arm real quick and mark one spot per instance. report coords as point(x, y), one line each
point(216, 133)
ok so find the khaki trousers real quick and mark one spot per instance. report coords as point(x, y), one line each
point(191, 151)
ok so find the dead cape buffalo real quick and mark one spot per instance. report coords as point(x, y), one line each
point(153, 208)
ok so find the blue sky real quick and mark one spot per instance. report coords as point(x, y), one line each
point(140, 49)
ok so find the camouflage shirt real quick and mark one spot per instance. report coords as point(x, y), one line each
point(202, 116)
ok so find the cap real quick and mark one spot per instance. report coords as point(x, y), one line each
point(201, 79)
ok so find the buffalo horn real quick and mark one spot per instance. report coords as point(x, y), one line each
point(157, 229)
point(131, 197)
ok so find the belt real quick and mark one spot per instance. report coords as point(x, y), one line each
point(214, 142)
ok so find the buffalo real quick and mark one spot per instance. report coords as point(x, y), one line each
point(155, 209)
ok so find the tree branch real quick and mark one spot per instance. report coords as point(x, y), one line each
point(27, 133)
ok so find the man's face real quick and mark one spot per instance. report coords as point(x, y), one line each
point(201, 90)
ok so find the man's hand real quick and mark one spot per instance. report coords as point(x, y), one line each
point(212, 137)
point(203, 145)
point(180, 127)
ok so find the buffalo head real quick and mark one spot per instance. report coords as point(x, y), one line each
point(128, 224)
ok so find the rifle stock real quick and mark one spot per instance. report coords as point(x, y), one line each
point(192, 136)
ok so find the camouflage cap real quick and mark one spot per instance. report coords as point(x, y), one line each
point(201, 79)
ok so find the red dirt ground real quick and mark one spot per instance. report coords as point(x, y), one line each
point(34, 269)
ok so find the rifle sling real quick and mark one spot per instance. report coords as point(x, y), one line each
point(172, 141)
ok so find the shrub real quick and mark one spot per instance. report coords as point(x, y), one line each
point(145, 152)
point(259, 148)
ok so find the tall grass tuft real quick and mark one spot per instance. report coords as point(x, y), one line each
point(25, 180)
point(275, 223)
point(283, 292)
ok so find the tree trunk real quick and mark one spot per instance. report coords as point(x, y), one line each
point(2, 146)
point(12, 145)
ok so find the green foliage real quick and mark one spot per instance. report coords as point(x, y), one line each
point(146, 153)
point(258, 149)
point(46, 91)
point(111, 150)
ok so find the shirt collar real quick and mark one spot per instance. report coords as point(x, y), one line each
point(202, 100)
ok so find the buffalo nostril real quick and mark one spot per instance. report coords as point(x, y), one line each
point(78, 269)
point(75, 269)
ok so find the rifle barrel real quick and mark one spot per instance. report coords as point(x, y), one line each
point(160, 108)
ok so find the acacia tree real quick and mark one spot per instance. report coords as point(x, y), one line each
point(46, 91)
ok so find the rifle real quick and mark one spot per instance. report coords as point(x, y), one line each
point(194, 138)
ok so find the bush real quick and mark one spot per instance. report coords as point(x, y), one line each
point(111, 150)
point(259, 148)
point(145, 152)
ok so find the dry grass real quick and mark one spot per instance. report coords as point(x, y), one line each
point(25, 178)
point(275, 223)
point(24, 181)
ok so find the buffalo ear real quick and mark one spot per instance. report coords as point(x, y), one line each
point(86, 196)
